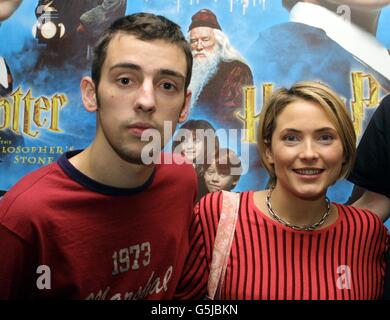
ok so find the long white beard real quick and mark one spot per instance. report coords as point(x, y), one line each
point(202, 71)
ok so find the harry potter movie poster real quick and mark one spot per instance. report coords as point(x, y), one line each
point(249, 49)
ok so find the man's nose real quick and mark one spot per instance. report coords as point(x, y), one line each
point(199, 45)
point(146, 97)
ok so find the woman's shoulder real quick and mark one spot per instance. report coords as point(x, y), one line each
point(211, 203)
point(353, 213)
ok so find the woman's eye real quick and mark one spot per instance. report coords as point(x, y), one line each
point(326, 137)
point(290, 138)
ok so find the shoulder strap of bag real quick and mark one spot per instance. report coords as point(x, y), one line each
point(223, 242)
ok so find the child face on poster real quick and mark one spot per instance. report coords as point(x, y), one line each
point(217, 180)
point(193, 147)
point(224, 172)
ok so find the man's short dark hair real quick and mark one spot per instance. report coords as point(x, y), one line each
point(146, 27)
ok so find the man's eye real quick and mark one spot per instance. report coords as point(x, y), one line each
point(124, 81)
point(168, 86)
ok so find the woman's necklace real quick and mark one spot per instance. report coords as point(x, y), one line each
point(293, 226)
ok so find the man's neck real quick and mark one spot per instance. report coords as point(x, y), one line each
point(109, 169)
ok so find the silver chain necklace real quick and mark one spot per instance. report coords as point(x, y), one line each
point(293, 226)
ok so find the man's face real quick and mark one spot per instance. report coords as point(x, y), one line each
point(141, 86)
point(358, 4)
point(202, 39)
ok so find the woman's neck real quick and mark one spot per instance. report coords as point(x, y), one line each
point(295, 210)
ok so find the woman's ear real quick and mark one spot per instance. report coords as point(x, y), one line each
point(268, 153)
point(88, 94)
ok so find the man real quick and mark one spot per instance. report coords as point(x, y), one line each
point(219, 72)
point(99, 224)
point(371, 173)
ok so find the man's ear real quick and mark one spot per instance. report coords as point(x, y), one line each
point(186, 107)
point(88, 94)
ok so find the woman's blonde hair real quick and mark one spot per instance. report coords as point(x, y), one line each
point(317, 93)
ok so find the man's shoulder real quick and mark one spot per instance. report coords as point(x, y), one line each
point(385, 105)
point(176, 166)
point(29, 190)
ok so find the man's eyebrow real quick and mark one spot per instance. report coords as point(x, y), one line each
point(169, 72)
point(136, 67)
point(126, 65)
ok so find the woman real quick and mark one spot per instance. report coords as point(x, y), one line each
point(290, 242)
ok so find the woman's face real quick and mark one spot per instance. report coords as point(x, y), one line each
point(306, 150)
point(193, 147)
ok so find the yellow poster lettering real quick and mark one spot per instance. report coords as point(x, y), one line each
point(38, 107)
point(26, 123)
point(5, 113)
point(361, 81)
point(57, 101)
point(17, 95)
point(30, 113)
point(250, 118)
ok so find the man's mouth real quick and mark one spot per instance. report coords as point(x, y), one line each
point(199, 55)
point(139, 127)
